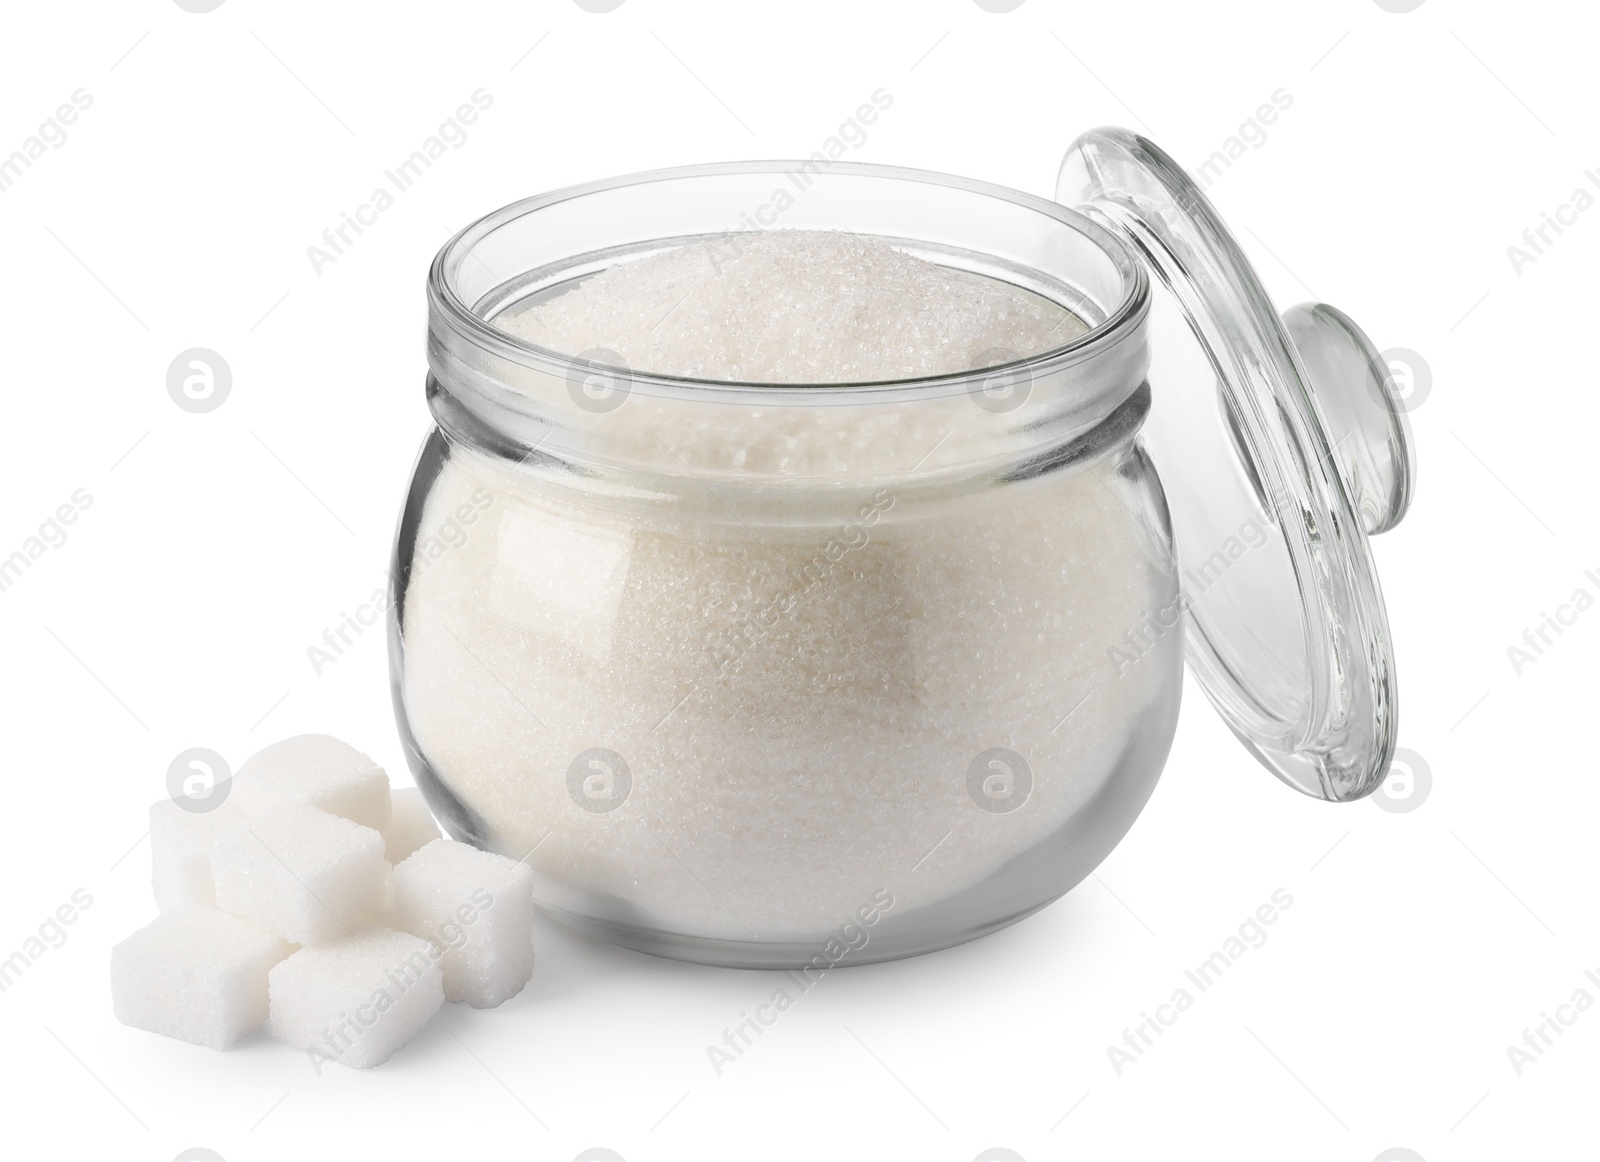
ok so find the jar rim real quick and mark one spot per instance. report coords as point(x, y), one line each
point(448, 307)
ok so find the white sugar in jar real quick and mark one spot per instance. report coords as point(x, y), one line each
point(768, 628)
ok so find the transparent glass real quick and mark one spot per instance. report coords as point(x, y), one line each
point(787, 675)
point(1283, 450)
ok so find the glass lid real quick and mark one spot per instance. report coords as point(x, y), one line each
point(1282, 447)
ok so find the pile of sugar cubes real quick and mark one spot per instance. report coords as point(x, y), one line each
point(314, 898)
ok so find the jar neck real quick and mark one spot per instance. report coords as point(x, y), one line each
point(690, 468)
point(989, 424)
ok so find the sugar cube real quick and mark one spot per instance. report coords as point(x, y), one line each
point(357, 1000)
point(319, 771)
point(308, 876)
point(478, 908)
point(180, 851)
point(195, 974)
point(410, 824)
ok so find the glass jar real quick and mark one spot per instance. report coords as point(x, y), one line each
point(790, 675)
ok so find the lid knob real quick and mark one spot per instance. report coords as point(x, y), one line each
point(1365, 419)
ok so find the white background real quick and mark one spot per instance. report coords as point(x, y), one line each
point(1419, 945)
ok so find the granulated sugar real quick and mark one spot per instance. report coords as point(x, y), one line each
point(794, 306)
point(796, 679)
